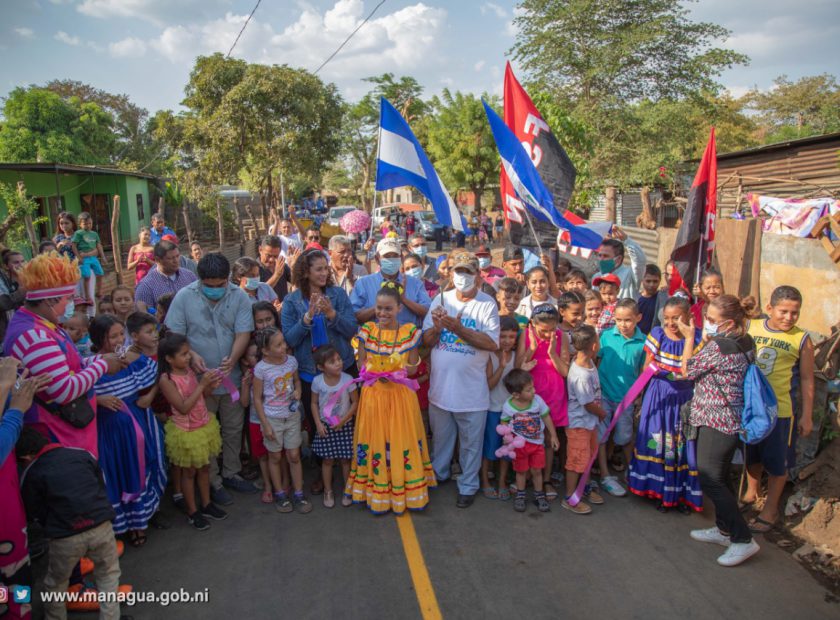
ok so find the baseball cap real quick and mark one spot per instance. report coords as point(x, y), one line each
point(387, 245)
point(171, 238)
point(482, 250)
point(465, 260)
point(513, 252)
point(609, 278)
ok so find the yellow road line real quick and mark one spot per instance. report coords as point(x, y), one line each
point(417, 566)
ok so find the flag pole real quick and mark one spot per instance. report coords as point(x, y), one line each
point(533, 232)
point(378, 146)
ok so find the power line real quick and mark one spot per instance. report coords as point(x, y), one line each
point(349, 37)
point(244, 26)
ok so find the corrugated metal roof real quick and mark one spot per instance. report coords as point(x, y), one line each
point(72, 169)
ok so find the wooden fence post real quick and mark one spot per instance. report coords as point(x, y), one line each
point(610, 204)
point(115, 239)
point(221, 222)
point(239, 220)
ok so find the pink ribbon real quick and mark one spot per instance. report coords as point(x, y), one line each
point(141, 453)
point(230, 387)
point(367, 378)
point(632, 394)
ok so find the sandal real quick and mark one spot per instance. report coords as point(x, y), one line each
point(490, 493)
point(617, 464)
point(550, 492)
point(760, 526)
point(267, 497)
point(504, 494)
point(137, 538)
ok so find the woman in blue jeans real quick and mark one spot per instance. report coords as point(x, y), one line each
point(718, 371)
point(315, 314)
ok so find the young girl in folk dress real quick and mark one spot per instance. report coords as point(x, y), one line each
point(391, 468)
point(544, 352)
point(141, 257)
point(131, 447)
point(664, 466)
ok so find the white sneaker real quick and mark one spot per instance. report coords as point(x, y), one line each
point(711, 535)
point(612, 486)
point(738, 552)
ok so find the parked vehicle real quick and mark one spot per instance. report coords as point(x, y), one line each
point(379, 214)
point(336, 213)
point(427, 224)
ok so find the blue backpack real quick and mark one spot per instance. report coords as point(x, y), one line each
point(761, 408)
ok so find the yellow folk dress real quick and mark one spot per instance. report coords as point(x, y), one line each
point(391, 468)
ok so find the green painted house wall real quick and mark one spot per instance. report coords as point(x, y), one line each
point(73, 186)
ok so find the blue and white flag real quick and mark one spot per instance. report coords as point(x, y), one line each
point(402, 161)
point(528, 185)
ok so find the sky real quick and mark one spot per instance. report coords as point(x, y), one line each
point(146, 48)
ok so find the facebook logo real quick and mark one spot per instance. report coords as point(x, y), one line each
point(21, 594)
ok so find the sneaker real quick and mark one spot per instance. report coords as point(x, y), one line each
point(198, 521)
point(239, 484)
point(519, 503)
point(542, 504)
point(302, 505)
point(220, 496)
point(612, 486)
point(737, 553)
point(284, 504)
point(329, 499)
point(710, 535)
point(211, 511)
point(180, 502)
point(594, 498)
point(582, 508)
point(346, 501)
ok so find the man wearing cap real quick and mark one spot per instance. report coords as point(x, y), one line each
point(489, 272)
point(611, 260)
point(462, 329)
point(159, 229)
point(415, 300)
point(513, 262)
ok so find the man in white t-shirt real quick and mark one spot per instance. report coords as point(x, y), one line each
point(461, 328)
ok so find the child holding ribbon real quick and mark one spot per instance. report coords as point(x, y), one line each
point(334, 403)
point(391, 469)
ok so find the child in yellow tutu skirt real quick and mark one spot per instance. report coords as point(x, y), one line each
point(391, 468)
point(192, 434)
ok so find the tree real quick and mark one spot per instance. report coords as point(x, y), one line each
point(597, 61)
point(460, 142)
point(249, 121)
point(40, 126)
point(809, 106)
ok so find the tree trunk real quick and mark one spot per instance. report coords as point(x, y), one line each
point(477, 191)
point(239, 220)
point(611, 194)
point(160, 206)
point(366, 204)
point(115, 240)
point(27, 218)
point(262, 211)
point(249, 210)
point(646, 218)
point(221, 222)
point(272, 199)
point(185, 209)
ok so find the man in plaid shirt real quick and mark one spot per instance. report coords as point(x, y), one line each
point(608, 286)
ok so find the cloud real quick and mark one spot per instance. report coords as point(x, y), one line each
point(403, 40)
point(479, 65)
point(158, 12)
point(25, 33)
point(130, 47)
point(491, 7)
point(66, 38)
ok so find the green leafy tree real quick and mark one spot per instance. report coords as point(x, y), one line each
point(460, 142)
point(18, 206)
point(809, 106)
point(41, 126)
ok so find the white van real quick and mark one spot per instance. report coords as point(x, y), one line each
point(379, 214)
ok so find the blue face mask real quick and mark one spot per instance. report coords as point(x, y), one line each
point(484, 262)
point(252, 284)
point(390, 266)
point(421, 250)
point(213, 293)
point(414, 272)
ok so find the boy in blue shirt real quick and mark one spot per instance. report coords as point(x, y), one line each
point(622, 359)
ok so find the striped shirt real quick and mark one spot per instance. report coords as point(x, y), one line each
point(156, 284)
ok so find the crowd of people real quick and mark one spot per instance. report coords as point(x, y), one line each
point(397, 372)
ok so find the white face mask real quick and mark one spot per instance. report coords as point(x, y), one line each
point(711, 329)
point(414, 272)
point(463, 282)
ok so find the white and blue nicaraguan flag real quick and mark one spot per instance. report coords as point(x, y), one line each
point(402, 161)
point(528, 185)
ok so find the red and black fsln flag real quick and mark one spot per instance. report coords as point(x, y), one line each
point(695, 241)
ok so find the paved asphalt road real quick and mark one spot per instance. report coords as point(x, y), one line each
point(487, 561)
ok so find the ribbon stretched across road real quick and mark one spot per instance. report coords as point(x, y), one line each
point(632, 394)
point(367, 378)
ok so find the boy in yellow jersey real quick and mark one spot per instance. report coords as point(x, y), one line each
point(785, 355)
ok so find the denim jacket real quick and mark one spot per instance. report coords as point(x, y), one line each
point(299, 336)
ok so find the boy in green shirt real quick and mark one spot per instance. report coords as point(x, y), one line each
point(88, 248)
